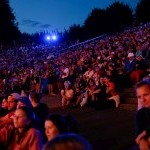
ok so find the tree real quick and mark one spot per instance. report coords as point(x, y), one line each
point(119, 16)
point(142, 11)
point(95, 24)
point(75, 33)
point(8, 25)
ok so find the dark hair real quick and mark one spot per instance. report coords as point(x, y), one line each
point(143, 83)
point(68, 142)
point(59, 121)
point(28, 112)
point(35, 96)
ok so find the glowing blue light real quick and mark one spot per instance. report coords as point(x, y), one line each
point(54, 37)
point(48, 37)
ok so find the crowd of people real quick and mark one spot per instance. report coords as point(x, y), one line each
point(89, 74)
point(93, 71)
point(26, 124)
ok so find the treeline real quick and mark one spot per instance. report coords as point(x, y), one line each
point(115, 17)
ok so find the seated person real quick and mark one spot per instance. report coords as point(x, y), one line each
point(112, 94)
point(93, 90)
point(80, 96)
point(140, 71)
point(67, 94)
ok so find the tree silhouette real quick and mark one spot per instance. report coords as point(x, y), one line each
point(75, 33)
point(96, 23)
point(119, 16)
point(8, 26)
point(142, 11)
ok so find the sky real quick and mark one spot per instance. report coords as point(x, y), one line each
point(55, 15)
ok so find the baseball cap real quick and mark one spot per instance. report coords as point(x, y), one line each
point(15, 96)
point(25, 101)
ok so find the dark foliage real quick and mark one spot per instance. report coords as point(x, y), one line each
point(8, 27)
point(119, 16)
point(142, 11)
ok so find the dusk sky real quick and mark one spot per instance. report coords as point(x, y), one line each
point(50, 15)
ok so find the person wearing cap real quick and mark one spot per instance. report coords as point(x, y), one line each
point(12, 105)
point(23, 101)
point(67, 94)
point(130, 65)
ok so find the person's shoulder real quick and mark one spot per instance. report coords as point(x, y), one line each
point(34, 131)
point(143, 111)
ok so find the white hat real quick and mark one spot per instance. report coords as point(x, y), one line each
point(15, 96)
point(130, 55)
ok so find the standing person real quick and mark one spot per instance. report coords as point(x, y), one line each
point(23, 135)
point(37, 80)
point(143, 115)
point(51, 81)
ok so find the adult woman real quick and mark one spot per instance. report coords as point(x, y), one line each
point(54, 125)
point(22, 135)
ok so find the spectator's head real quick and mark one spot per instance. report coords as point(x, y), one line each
point(22, 118)
point(55, 124)
point(68, 142)
point(130, 56)
point(34, 97)
point(12, 101)
point(143, 92)
point(4, 103)
point(107, 79)
point(91, 82)
point(102, 81)
point(139, 57)
point(23, 101)
point(67, 84)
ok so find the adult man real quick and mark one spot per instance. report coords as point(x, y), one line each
point(12, 104)
point(143, 115)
